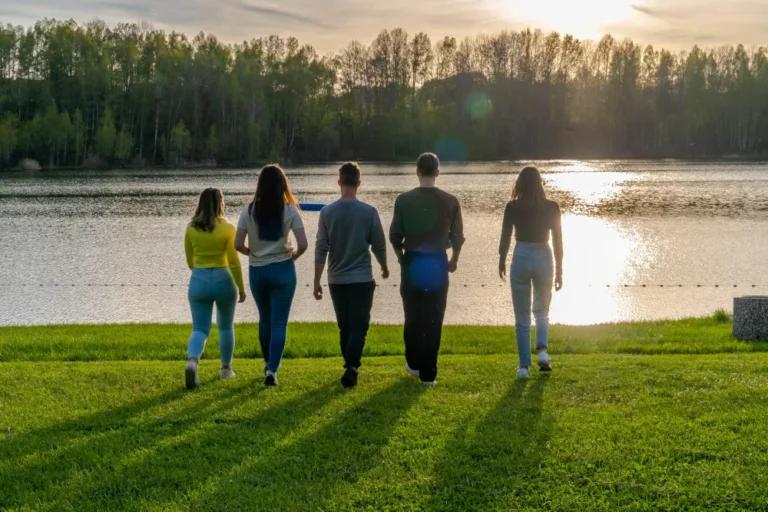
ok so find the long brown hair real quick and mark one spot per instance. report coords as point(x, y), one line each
point(529, 188)
point(210, 210)
point(268, 205)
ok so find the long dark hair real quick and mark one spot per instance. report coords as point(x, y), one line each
point(268, 205)
point(210, 210)
point(529, 188)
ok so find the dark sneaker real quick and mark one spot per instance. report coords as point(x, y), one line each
point(349, 380)
point(270, 380)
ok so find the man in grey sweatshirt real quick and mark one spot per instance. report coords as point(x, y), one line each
point(348, 229)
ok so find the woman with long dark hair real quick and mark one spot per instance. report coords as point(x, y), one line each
point(532, 217)
point(266, 224)
point(216, 278)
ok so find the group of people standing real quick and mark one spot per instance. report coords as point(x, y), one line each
point(426, 225)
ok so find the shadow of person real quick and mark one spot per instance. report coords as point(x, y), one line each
point(109, 460)
point(495, 457)
point(308, 468)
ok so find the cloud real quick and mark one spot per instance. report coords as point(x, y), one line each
point(330, 24)
point(646, 10)
point(280, 13)
point(679, 24)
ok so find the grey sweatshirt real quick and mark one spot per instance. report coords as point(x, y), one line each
point(346, 230)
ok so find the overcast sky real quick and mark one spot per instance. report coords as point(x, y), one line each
point(330, 24)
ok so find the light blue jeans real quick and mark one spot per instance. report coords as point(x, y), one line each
point(273, 287)
point(532, 268)
point(206, 287)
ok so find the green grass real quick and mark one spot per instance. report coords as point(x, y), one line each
point(679, 425)
point(167, 342)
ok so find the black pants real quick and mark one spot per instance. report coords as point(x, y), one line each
point(352, 303)
point(424, 290)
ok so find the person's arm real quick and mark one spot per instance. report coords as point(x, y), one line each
point(233, 259)
point(557, 242)
point(189, 249)
point(378, 243)
point(506, 239)
point(322, 246)
point(242, 233)
point(457, 238)
point(240, 246)
point(396, 234)
point(297, 226)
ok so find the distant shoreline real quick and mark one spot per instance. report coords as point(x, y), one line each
point(201, 167)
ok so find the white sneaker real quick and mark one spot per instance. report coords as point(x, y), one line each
point(545, 363)
point(522, 373)
point(227, 373)
point(411, 371)
point(190, 375)
point(429, 384)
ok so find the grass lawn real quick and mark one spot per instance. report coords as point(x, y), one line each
point(665, 416)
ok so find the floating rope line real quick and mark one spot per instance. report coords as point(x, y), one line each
point(379, 285)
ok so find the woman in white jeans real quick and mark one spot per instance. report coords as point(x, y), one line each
point(532, 217)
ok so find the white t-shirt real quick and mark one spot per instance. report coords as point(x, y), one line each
point(266, 252)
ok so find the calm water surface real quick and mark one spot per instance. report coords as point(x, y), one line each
point(626, 224)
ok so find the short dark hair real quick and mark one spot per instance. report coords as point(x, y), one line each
point(428, 164)
point(349, 174)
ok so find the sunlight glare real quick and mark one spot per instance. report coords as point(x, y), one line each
point(586, 19)
point(599, 252)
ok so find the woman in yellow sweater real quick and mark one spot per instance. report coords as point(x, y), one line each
point(216, 278)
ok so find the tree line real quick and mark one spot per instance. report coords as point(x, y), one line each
point(73, 95)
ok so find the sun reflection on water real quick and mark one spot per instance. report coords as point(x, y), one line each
point(598, 252)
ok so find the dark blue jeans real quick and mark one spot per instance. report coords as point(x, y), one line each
point(273, 287)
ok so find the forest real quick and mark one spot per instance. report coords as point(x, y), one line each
point(95, 95)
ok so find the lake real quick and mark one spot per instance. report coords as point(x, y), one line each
point(644, 240)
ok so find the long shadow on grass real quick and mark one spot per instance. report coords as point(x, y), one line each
point(103, 461)
point(307, 472)
point(497, 457)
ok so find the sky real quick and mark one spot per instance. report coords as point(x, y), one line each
point(329, 25)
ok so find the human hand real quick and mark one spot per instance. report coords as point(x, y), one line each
point(502, 270)
point(295, 255)
point(242, 297)
point(385, 272)
point(453, 265)
point(558, 282)
point(318, 293)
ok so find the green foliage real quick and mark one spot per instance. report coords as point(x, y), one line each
point(509, 95)
point(9, 138)
point(181, 141)
point(106, 136)
point(212, 144)
point(123, 146)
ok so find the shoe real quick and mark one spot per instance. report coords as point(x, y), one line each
point(522, 373)
point(429, 384)
point(545, 363)
point(411, 371)
point(190, 375)
point(227, 373)
point(270, 380)
point(349, 380)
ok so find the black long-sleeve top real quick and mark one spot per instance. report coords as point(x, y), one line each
point(427, 220)
point(532, 224)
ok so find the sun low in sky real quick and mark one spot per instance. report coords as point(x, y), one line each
point(331, 24)
point(586, 20)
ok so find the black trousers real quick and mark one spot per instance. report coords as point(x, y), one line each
point(352, 303)
point(424, 289)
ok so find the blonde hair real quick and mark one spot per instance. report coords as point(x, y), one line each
point(210, 210)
